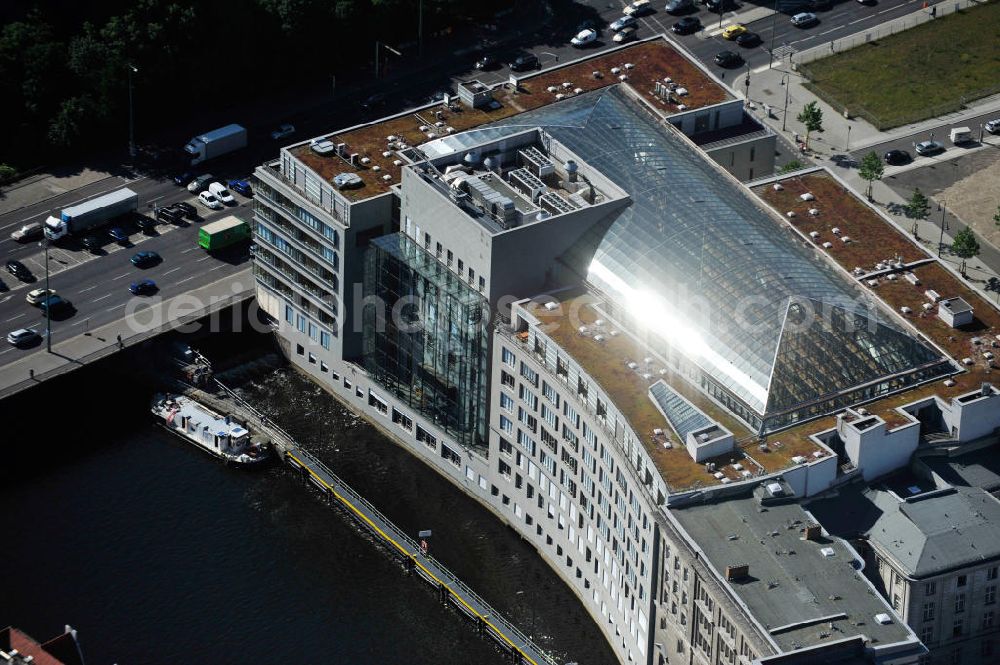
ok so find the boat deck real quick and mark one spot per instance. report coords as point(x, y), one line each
point(200, 417)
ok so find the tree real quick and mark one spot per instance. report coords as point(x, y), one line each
point(793, 165)
point(871, 169)
point(917, 208)
point(812, 117)
point(965, 246)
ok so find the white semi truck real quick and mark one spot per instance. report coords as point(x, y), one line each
point(215, 143)
point(80, 218)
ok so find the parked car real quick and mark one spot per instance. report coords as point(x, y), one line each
point(804, 19)
point(36, 296)
point(623, 22)
point(487, 61)
point(118, 234)
point(91, 243)
point(144, 259)
point(200, 183)
point(748, 39)
point(220, 192)
point(895, 157)
point(189, 210)
point(718, 6)
point(145, 224)
point(679, 6)
point(241, 187)
point(283, 131)
point(583, 38)
point(182, 179)
point(993, 126)
point(208, 200)
point(728, 59)
point(639, 8)
point(929, 147)
point(19, 270)
point(626, 34)
point(523, 63)
point(142, 287)
point(28, 232)
point(23, 337)
point(687, 25)
point(170, 215)
point(733, 31)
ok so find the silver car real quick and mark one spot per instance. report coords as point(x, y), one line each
point(929, 147)
point(804, 19)
point(28, 232)
point(22, 337)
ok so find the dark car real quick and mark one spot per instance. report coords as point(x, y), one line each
point(728, 59)
point(241, 187)
point(748, 39)
point(687, 25)
point(118, 234)
point(142, 287)
point(523, 63)
point(19, 270)
point(182, 179)
point(487, 61)
point(55, 305)
point(189, 210)
point(145, 224)
point(170, 214)
point(717, 6)
point(144, 259)
point(898, 157)
point(91, 243)
point(588, 24)
point(373, 102)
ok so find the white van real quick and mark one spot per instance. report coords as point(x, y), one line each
point(961, 135)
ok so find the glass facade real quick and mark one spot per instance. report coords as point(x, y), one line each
point(709, 278)
point(425, 337)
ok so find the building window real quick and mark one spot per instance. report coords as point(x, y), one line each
point(753, 153)
point(378, 403)
point(482, 283)
point(991, 594)
point(289, 313)
point(324, 340)
point(312, 358)
point(928, 611)
point(450, 455)
point(988, 618)
point(507, 356)
point(426, 437)
point(930, 589)
point(506, 402)
point(451, 257)
point(895, 601)
point(506, 448)
point(927, 635)
point(956, 628)
point(959, 603)
point(300, 350)
point(506, 425)
point(962, 579)
point(504, 469)
point(401, 419)
point(506, 379)
point(323, 367)
point(991, 574)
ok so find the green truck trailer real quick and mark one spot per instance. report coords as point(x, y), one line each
point(223, 233)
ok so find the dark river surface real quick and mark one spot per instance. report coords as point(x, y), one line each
point(157, 553)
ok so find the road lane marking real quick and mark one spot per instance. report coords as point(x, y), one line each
point(101, 298)
point(206, 258)
point(187, 279)
point(221, 265)
point(170, 271)
point(190, 249)
point(124, 274)
point(15, 318)
point(89, 288)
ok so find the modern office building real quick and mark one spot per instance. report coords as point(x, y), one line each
point(551, 295)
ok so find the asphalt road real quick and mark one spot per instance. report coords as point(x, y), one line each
point(938, 133)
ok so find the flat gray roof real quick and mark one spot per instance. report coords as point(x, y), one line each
point(796, 588)
point(979, 468)
point(938, 531)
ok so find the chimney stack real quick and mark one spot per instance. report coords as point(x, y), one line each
point(814, 532)
point(737, 572)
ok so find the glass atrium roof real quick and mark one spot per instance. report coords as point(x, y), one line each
point(698, 261)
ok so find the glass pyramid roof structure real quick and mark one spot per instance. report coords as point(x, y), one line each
point(697, 262)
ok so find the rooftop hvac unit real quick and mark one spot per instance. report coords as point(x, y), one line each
point(321, 146)
point(536, 161)
point(598, 338)
point(527, 183)
point(599, 322)
point(555, 204)
point(347, 181)
point(341, 149)
point(495, 204)
point(807, 197)
point(551, 306)
point(680, 92)
point(366, 160)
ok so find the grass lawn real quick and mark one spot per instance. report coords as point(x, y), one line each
point(919, 73)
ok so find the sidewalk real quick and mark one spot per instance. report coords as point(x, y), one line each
point(40, 187)
point(830, 149)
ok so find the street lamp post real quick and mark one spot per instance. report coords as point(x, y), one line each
point(784, 114)
point(48, 305)
point(746, 82)
point(944, 211)
point(847, 146)
point(131, 122)
point(774, 17)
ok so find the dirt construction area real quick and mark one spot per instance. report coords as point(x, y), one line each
point(968, 186)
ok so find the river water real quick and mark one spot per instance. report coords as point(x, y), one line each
point(159, 554)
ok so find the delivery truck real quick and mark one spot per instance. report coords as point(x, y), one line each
point(215, 143)
point(223, 233)
point(78, 219)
